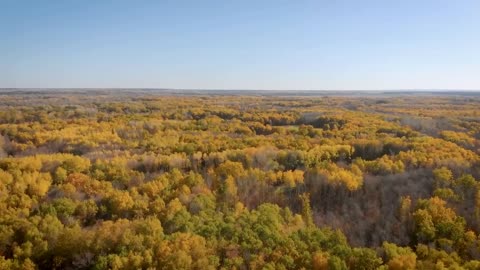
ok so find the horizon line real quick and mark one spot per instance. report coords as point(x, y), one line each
point(239, 89)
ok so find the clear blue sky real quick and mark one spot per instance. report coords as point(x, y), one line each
point(240, 44)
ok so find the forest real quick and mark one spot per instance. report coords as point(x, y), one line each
point(157, 180)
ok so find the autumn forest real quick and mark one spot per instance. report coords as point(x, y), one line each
point(101, 179)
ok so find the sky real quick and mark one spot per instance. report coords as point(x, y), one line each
point(241, 44)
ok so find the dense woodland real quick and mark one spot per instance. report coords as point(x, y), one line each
point(105, 180)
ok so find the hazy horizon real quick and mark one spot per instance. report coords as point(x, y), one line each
point(234, 90)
